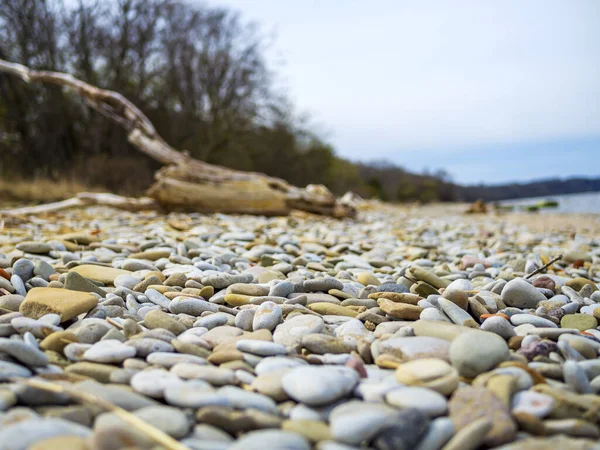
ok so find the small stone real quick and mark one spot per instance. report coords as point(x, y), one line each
point(76, 282)
point(313, 430)
point(99, 372)
point(101, 274)
point(23, 267)
point(262, 348)
point(153, 382)
point(170, 420)
point(354, 422)
point(23, 434)
point(425, 400)
point(159, 319)
point(109, 351)
point(61, 443)
point(267, 316)
point(477, 352)
point(534, 403)
point(578, 283)
point(401, 311)
point(275, 439)
point(435, 374)
point(470, 436)
point(36, 247)
point(316, 386)
point(367, 279)
point(10, 370)
point(520, 294)
point(576, 378)
point(21, 351)
point(331, 309)
point(580, 322)
point(290, 332)
point(67, 304)
point(544, 282)
point(468, 404)
point(146, 346)
point(126, 280)
point(414, 347)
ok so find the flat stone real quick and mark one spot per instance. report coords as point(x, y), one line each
point(23, 352)
point(109, 351)
point(477, 352)
point(145, 346)
point(117, 394)
point(61, 443)
point(97, 371)
point(440, 330)
point(427, 401)
point(153, 382)
point(194, 394)
point(267, 316)
point(470, 403)
point(216, 376)
point(402, 311)
point(24, 434)
point(290, 332)
point(160, 319)
point(275, 439)
point(534, 403)
point(553, 442)
point(354, 422)
point(580, 322)
point(105, 275)
point(170, 420)
point(261, 348)
point(432, 373)
point(67, 304)
point(520, 294)
point(36, 247)
point(316, 386)
point(324, 308)
point(76, 282)
point(9, 370)
point(313, 430)
point(415, 347)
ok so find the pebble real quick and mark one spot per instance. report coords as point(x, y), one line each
point(354, 422)
point(425, 400)
point(520, 294)
point(391, 331)
point(261, 348)
point(267, 316)
point(290, 332)
point(261, 439)
point(316, 386)
point(67, 304)
point(477, 352)
point(109, 351)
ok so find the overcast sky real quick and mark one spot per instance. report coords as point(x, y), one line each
point(491, 91)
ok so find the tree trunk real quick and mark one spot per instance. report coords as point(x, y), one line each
point(187, 184)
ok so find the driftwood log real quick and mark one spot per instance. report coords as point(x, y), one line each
point(184, 184)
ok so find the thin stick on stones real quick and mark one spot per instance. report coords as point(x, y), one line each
point(154, 433)
point(544, 267)
point(114, 323)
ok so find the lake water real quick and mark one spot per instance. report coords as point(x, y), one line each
point(587, 202)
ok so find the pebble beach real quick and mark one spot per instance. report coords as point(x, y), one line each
point(406, 328)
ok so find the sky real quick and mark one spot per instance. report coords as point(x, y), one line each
point(490, 91)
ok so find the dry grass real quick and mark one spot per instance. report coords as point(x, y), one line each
point(40, 190)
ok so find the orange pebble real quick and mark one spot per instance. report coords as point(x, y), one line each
point(4, 274)
point(486, 316)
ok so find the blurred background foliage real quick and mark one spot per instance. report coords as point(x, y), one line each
point(199, 73)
